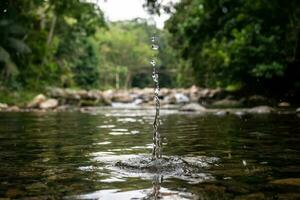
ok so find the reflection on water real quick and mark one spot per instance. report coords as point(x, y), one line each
point(73, 155)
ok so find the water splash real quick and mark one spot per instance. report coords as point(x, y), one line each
point(156, 152)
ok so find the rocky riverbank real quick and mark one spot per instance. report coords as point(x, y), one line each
point(192, 99)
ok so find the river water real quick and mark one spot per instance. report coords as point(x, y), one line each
point(72, 155)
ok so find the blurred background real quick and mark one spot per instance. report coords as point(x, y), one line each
point(249, 46)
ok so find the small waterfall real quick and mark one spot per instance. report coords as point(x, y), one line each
point(156, 152)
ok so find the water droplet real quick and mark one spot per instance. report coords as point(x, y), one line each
point(153, 39)
point(154, 47)
point(244, 162)
point(155, 77)
point(153, 63)
point(5, 10)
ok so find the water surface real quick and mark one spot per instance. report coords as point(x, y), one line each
point(72, 155)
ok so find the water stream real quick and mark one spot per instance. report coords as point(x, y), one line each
point(73, 156)
point(156, 153)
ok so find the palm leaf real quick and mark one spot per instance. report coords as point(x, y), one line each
point(4, 55)
point(18, 45)
point(10, 69)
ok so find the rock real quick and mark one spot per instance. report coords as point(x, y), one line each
point(49, 104)
point(211, 94)
point(194, 93)
point(72, 95)
point(255, 100)
point(284, 104)
point(298, 110)
point(240, 113)
point(181, 98)
point(171, 99)
point(108, 95)
point(222, 113)
point(287, 181)
point(3, 106)
point(122, 97)
point(13, 109)
point(261, 110)
point(193, 107)
point(56, 92)
point(137, 101)
point(35, 103)
point(87, 102)
point(226, 103)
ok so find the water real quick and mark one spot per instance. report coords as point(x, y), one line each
point(157, 143)
point(72, 156)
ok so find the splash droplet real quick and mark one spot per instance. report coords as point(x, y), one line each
point(153, 63)
point(154, 47)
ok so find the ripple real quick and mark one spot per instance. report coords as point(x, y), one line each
point(106, 126)
point(119, 133)
point(191, 169)
point(115, 194)
point(120, 129)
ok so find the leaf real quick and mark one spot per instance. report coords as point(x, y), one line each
point(4, 22)
point(15, 29)
point(10, 69)
point(18, 45)
point(4, 55)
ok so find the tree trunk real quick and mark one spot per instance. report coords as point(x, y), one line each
point(128, 80)
point(117, 76)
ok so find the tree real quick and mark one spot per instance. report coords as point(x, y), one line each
point(242, 43)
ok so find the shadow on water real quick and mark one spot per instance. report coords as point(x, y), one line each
point(74, 155)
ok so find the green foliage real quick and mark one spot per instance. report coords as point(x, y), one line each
point(86, 70)
point(48, 43)
point(237, 42)
point(126, 53)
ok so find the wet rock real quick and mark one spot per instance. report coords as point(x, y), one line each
point(3, 106)
point(181, 98)
point(13, 109)
point(284, 104)
point(171, 99)
point(71, 95)
point(287, 181)
point(211, 94)
point(222, 113)
point(56, 92)
point(49, 104)
point(240, 113)
point(255, 100)
point(194, 93)
point(261, 110)
point(165, 91)
point(227, 103)
point(35, 103)
point(108, 95)
point(193, 107)
point(122, 97)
